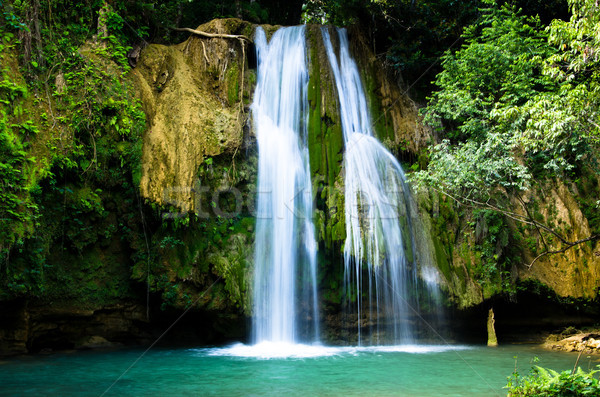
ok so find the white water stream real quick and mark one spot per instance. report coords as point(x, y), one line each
point(284, 290)
point(379, 267)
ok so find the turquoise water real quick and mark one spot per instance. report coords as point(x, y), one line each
point(278, 371)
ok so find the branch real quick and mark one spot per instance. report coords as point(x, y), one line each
point(213, 35)
point(569, 245)
point(531, 217)
point(467, 202)
point(528, 220)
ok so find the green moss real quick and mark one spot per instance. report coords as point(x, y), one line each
point(325, 143)
point(325, 139)
point(233, 84)
point(249, 84)
point(248, 30)
point(335, 232)
point(441, 256)
point(384, 129)
point(588, 190)
point(315, 146)
point(195, 250)
point(98, 279)
point(406, 233)
point(192, 255)
point(335, 144)
point(465, 254)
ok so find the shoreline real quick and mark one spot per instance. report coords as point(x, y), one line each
point(573, 340)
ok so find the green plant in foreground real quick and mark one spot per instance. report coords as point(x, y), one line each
point(544, 382)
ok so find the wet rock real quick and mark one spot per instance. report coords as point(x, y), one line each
point(38, 328)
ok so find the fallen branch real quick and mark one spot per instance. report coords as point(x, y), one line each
point(213, 35)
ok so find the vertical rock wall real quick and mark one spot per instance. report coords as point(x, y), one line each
point(195, 95)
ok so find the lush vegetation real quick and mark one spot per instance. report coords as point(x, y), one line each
point(512, 93)
point(410, 36)
point(71, 151)
point(515, 91)
point(516, 108)
point(74, 227)
point(542, 382)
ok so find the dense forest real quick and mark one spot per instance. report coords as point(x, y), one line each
point(509, 92)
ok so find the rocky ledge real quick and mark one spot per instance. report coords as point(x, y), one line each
point(572, 340)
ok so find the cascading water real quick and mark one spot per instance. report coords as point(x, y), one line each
point(285, 251)
point(379, 251)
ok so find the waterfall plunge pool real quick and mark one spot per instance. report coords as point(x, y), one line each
point(280, 370)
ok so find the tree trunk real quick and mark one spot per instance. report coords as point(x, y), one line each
point(37, 32)
point(31, 39)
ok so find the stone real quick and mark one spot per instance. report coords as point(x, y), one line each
point(94, 342)
point(191, 94)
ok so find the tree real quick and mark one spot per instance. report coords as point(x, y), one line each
point(499, 67)
point(515, 104)
point(576, 68)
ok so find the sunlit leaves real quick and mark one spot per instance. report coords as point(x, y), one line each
point(578, 40)
point(499, 65)
point(473, 170)
point(512, 103)
point(547, 382)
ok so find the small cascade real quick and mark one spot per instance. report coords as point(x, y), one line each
point(380, 270)
point(284, 290)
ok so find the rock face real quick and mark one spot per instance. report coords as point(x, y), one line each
point(461, 239)
point(394, 114)
point(31, 328)
point(194, 95)
point(576, 272)
point(586, 342)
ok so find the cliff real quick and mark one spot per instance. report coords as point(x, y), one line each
point(105, 254)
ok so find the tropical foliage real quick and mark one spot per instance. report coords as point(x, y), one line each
point(516, 108)
point(515, 99)
point(73, 224)
point(543, 382)
point(517, 102)
point(69, 141)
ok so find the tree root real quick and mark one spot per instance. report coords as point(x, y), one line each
point(213, 35)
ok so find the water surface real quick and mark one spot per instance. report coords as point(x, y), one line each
point(278, 370)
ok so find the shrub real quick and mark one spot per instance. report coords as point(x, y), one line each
point(542, 382)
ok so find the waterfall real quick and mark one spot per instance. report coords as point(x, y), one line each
point(284, 289)
point(380, 271)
